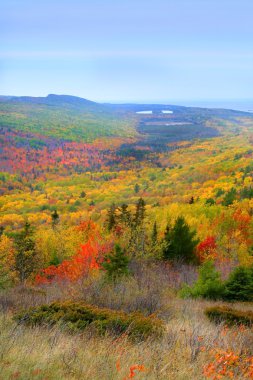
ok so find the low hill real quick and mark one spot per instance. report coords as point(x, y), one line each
point(63, 117)
point(76, 119)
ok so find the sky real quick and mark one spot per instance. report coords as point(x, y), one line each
point(127, 50)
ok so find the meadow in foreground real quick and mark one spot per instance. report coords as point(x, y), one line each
point(191, 346)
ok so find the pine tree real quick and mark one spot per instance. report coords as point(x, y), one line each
point(138, 233)
point(230, 197)
point(180, 242)
point(139, 212)
point(26, 260)
point(116, 264)
point(125, 215)
point(83, 194)
point(136, 188)
point(111, 220)
point(1, 230)
point(239, 286)
point(55, 218)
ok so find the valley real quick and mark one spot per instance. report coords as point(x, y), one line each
point(127, 234)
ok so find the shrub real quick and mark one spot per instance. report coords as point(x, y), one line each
point(239, 286)
point(76, 316)
point(210, 202)
point(229, 316)
point(208, 284)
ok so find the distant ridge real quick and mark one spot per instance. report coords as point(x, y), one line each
point(71, 118)
point(82, 104)
point(50, 99)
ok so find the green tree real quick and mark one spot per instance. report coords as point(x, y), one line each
point(111, 220)
point(208, 284)
point(180, 242)
point(239, 286)
point(210, 202)
point(136, 188)
point(137, 242)
point(1, 231)
point(26, 258)
point(55, 218)
point(124, 214)
point(229, 198)
point(116, 264)
point(139, 212)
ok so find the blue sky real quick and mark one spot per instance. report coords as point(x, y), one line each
point(131, 50)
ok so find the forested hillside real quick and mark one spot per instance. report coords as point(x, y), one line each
point(130, 226)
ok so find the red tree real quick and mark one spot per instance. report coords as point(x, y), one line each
point(207, 249)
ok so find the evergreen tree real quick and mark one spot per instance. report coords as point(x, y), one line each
point(116, 264)
point(111, 220)
point(55, 218)
point(167, 233)
point(230, 197)
point(210, 202)
point(180, 242)
point(138, 232)
point(136, 188)
point(125, 215)
point(26, 259)
point(139, 212)
point(1, 230)
point(208, 284)
point(239, 286)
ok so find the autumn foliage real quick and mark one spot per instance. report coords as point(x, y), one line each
point(206, 249)
point(228, 365)
point(86, 259)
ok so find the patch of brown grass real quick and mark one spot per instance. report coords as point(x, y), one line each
point(183, 352)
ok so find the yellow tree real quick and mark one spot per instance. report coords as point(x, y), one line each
point(7, 261)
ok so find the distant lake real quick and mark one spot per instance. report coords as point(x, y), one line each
point(150, 112)
point(238, 105)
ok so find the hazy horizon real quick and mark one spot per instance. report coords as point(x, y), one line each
point(236, 104)
point(127, 51)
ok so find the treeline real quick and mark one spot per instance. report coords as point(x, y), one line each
point(178, 241)
point(127, 236)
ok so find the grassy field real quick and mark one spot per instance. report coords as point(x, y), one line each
point(182, 354)
point(186, 351)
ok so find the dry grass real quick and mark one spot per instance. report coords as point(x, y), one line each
point(51, 354)
point(181, 354)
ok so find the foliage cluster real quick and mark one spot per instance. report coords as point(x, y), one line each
point(229, 316)
point(77, 316)
point(238, 287)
